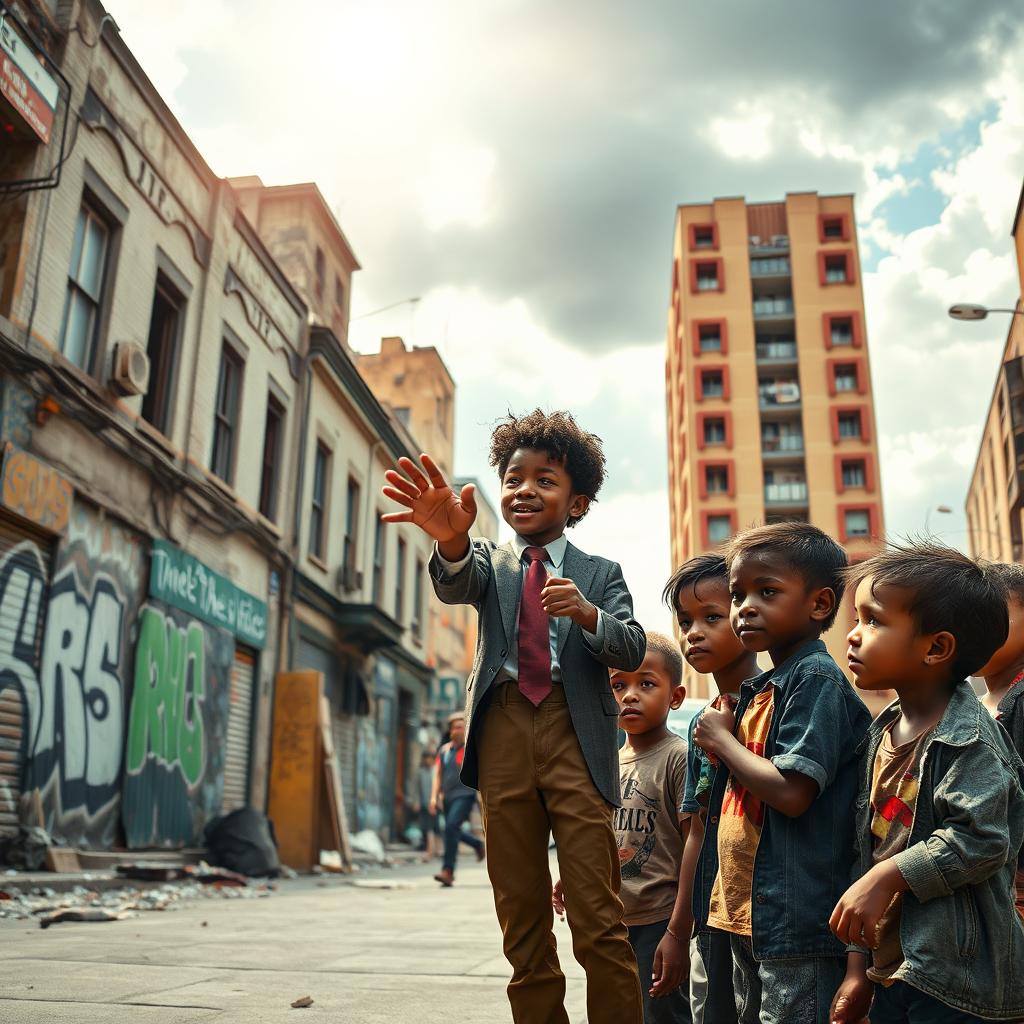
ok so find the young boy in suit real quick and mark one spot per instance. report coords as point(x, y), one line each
point(541, 716)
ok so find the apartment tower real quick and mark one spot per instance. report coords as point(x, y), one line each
point(768, 386)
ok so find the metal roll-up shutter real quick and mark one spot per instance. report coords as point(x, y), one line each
point(236, 756)
point(25, 564)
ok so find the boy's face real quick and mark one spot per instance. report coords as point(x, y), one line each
point(1012, 652)
point(709, 642)
point(646, 695)
point(537, 496)
point(886, 650)
point(773, 609)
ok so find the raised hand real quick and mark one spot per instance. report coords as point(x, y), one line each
point(430, 502)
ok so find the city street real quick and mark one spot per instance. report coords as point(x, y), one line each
point(365, 953)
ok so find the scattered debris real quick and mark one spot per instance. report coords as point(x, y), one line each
point(43, 901)
point(244, 841)
point(88, 914)
point(26, 848)
point(301, 1004)
point(368, 842)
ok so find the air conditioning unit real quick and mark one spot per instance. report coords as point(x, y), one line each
point(130, 374)
point(348, 579)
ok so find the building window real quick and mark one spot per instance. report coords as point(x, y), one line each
point(339, 295)
point(83, 306)
point(709, 337)
point(841, 331)
point(402, 415)
point(712, 384)
point(318, 505)
point(857, 522)
point(850, 424)
point(832, 228)
point(854, 473)
point(379, 536)
point(837, 269)
point(417, 599)
point(225, 417)
point(348, 556)
point(719, 528)
point(273, 436)
point(845, 377)
point(162, 348)
point(703, 236)
point(707, 277)
point(716, 479)
point(400, 581)
point(714, 430)
point(321, 271)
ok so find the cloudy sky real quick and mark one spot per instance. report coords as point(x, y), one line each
point(515, 164)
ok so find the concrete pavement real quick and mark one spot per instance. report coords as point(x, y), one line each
point(366, 952)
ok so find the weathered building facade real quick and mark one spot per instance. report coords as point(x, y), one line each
point(190, 473)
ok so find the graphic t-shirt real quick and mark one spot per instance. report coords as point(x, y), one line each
point(894, 788)
point(647, 829)
point(739, 828)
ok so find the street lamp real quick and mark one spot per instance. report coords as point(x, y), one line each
point(972, 311)
point(942, 509)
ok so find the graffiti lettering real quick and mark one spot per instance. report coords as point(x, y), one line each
point(76, 731)
point(166, 722)
point(35, 490)
point(97, 540)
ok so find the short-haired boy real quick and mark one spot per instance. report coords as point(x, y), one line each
point(779, 843)
point(698, 594)
point(650, 830)
point(940, 814)
point(542, 720)
point(1004, 677)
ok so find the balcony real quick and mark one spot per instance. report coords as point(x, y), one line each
point(776, 351)
point(791, 493)
point(773, 307)
point(783, 446)
point(779, 393)
point(768, 246)
point(770, 268)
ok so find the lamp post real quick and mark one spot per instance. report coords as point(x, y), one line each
point(972, 311)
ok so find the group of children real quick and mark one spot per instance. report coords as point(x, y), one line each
point(830, 867)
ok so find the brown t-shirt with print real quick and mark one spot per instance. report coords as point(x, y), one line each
point(894, 788)
point(647, 829)
point(739, 830)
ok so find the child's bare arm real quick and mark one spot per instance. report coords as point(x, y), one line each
point(672, 957)
point(853, 997)
point(788, 792)
point(856, 915)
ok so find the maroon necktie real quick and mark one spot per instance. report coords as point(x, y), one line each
point(534, 644)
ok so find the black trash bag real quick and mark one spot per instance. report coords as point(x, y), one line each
point(243, 841)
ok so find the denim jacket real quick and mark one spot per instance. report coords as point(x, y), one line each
point(802, 865)
point(963, 941)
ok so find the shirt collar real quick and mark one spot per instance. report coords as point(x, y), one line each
point(555, 550)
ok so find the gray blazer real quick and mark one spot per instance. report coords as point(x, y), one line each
point(492, 582)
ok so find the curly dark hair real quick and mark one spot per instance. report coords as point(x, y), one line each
point(562, 438)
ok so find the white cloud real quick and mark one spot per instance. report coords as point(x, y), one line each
point(456, 186)
point(746, 134)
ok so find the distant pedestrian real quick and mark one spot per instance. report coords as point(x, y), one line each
point(457, 799)
point(424, 794)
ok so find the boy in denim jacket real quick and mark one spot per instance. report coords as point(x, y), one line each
point(778, 844)
point(940, 814)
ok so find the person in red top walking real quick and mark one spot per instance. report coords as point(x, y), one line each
point(458, 800)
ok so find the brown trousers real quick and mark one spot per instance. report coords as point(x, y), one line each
point(534, 781)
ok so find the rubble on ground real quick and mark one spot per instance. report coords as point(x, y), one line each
point(49, 907)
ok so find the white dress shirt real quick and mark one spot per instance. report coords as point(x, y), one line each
point(553, 564)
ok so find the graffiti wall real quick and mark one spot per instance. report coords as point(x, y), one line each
point(174, 756)
point(77, 720)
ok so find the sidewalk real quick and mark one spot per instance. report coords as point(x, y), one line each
point(388, 946)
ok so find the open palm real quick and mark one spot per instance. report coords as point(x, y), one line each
point(431, 503)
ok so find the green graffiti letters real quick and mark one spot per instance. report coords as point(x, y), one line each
point(166, 720)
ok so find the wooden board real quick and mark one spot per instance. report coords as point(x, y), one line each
point(58, 859)
point(334, 801)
